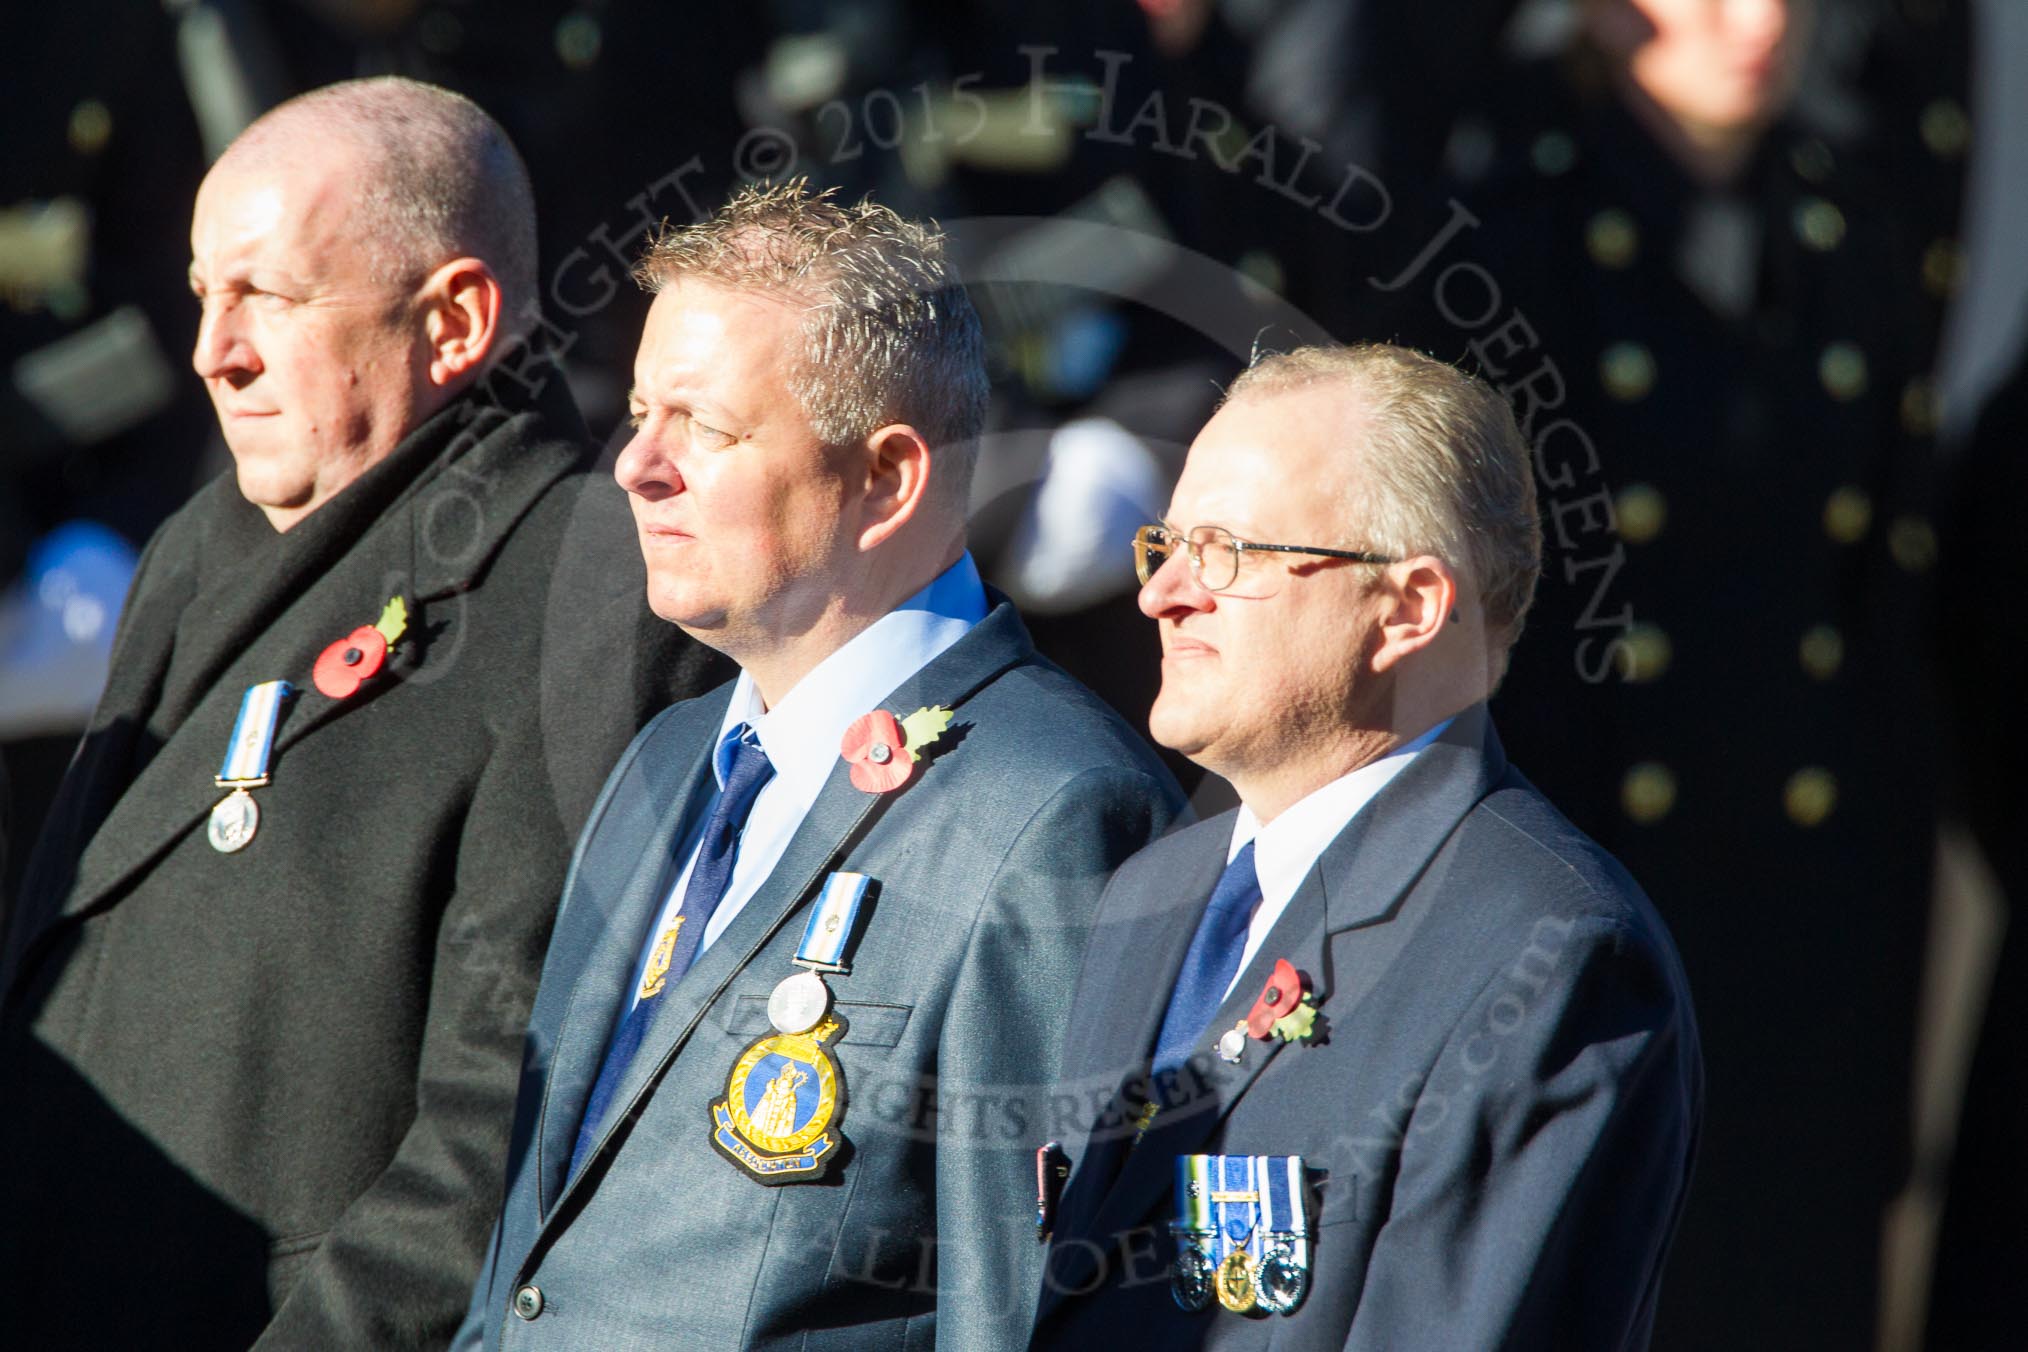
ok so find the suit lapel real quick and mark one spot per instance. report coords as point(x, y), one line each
point(820, 844)
point(1136, 950)
point(816, 847)
point(1359, 882)
point(366, 550)
point(661, 818)
point(174, 792)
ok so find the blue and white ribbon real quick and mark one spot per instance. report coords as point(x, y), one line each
point(828, 938)
point(253, 734)
point(1236, 1202)
point(1283, 1208)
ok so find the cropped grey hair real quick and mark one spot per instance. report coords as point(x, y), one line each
point(1445, 470)
point(889, 335)
point(441, 180)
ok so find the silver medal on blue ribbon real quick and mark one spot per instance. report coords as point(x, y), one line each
point(236, 816)
point(1282, 1277)
point(801, 1001)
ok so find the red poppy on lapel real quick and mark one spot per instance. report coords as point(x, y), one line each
point(877, 752)
point(1283, 1009)
point(345, 664)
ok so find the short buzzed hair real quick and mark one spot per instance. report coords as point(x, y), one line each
point(889, 334)
point(441, 181)
point(1445, 471)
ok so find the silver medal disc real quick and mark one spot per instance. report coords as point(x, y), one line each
point(1191, 1277)
point(1280, 1282)
point(233, 822)
point(799, 1003)
point(1232, 1044)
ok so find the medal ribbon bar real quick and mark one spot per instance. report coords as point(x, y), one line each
point(253, 735)
point(828, 937)
point(1193, 1203)
point(1282, 1202)
point(1237, 1200)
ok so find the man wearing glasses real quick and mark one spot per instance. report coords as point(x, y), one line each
point(1392, 1055)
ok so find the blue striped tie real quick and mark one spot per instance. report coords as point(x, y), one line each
point(716, 852)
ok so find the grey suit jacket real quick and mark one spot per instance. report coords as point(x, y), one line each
point(988, 865)
point(1498, 1117)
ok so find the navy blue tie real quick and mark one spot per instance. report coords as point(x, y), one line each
point(1211, 963)
point(746, 776)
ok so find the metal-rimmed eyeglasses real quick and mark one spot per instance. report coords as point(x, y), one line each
point(1215, 552)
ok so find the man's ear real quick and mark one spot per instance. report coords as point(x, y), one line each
point(898, 460)
point(1419, 597)
point(461, 307)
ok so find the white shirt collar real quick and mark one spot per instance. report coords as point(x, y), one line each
point(1287, 848)
point(802, 732)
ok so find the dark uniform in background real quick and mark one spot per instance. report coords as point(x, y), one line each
point(98, 419)
point(1723, 678)
point(271, 1089)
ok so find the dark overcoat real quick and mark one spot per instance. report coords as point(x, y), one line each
point(263, 1097)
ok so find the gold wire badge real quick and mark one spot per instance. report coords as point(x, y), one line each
point(778, 1117)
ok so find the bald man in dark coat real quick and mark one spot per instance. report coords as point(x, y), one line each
point(262, 998)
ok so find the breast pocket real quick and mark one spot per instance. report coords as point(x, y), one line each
point(866, 1025)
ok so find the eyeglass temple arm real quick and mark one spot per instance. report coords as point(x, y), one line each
point(1357, 556)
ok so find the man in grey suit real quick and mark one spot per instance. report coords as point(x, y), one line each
point(815, 952)
point(1481, 1134)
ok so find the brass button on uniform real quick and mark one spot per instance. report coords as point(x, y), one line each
point(1810, 795)
point(1848, 512)
point(1812, 160)
point(528, 1302)
point(1627, 370)
point(1945, 129)
point(1921, 411)
point(1822, 651)
point(1912, 542)
point(1643, 654)
point(1943, 267)
point(91, 126)
point(578, 39)
point(1264, 270)
point(1819, 225)
point(1612, 239)
point(1648, 792)
point(1554, 153)
point(1842, 368)
point(1641, 512)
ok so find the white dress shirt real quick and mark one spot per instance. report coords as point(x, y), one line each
point(801, 734)
point(1287, 848)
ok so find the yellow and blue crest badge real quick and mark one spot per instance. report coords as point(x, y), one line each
point(778, 1119)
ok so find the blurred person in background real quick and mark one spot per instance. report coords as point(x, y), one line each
point(98, 438)
point(1713, 333)
point(262, 994)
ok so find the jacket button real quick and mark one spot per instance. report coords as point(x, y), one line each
point(528, 1302)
